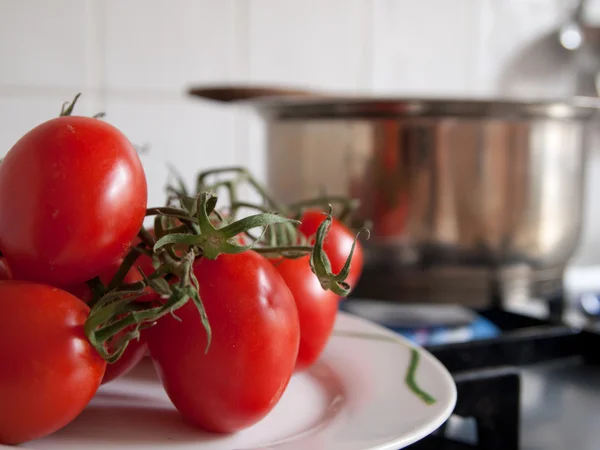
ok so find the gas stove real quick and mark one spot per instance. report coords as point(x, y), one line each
point(536, 385)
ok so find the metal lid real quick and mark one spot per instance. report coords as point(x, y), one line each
point(366, 107)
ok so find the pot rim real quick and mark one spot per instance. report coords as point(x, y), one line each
point(576, 108)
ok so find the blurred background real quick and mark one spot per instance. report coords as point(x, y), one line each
point(135, 60)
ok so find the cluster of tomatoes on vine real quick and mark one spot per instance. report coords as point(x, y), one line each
point(228, 301)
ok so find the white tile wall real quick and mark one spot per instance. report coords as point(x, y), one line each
point(19, 113)
point(189, 135)
point(162, 46)
point(135, 58)
point(425, 47)
point(42, 44)
point(521, 56)
point(309, 43)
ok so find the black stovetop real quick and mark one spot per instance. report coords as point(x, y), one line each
point(536, 386)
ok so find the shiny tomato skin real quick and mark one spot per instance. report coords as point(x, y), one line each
point(337, 245)
point(49, 370)
point(255, 336)
point(72, 199)
point(317, 308)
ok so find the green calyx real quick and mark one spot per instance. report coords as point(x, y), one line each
point(116, 317)
point(215, 240)
point(192, 227)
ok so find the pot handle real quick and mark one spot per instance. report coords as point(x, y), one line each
point(235, 94)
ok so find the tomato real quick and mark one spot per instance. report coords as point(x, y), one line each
point(72, 199)
point(5, 273)
point(317, 308)
point(251, 358)
point(49, 370)
point(337, 244)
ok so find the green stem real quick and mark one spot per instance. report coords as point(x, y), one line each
point(214, 241)
point(233, 199)
point(180, 182)
point(411, 381)
point(262, 208)
point(247, 176)
point(97, 289)
point(277, 238)
point(117, 310)
point(168, 211)
point(321, 266)
point(146, 237)
point(324, 201)
point(138, 285)
point(67, 108)
point(289, 248)
point(106, 332)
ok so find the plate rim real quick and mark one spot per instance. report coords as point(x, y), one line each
point(373, 329)
point(421, 433)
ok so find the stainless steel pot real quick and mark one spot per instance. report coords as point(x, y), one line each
point(461, 194)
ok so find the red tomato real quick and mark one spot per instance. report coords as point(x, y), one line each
point(317, 308)
point(5, 273)
point(72, 199)
point(49, 370)
point(254, 346)
point(337, 245)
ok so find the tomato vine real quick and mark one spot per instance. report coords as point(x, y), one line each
point(197, 226)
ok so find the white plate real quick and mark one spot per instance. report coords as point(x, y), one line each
point(354, 398)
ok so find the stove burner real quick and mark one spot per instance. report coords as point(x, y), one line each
point(487, 377)
point(491, 397)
